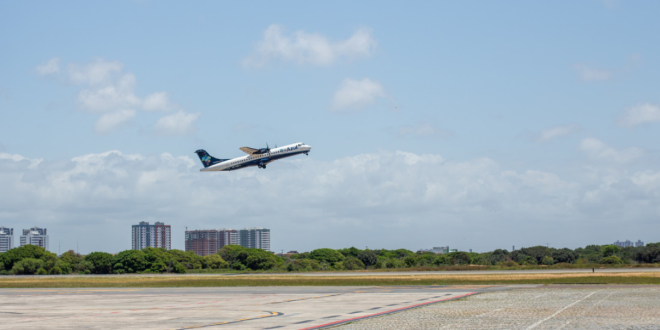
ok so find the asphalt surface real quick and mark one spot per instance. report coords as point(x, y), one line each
point(569, 307)
point(229, 308)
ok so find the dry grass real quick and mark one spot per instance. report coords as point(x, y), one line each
point(285, 280)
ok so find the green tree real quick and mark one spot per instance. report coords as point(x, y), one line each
point(368, 258)
point(328, 255)
point(610, 250)
point(41, 271)
point(611, 260)
point(214, 261)
point(101, 262)
point(548, 261)
point(27, 266)
point(352, 263)
point(15, 255)
point(497, 256)
point(565, 255)
point(130, 261)
point(350, 252)
point(459, 258)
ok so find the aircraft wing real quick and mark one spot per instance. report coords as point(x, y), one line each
point(248, 150)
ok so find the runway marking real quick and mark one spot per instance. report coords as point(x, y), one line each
point(386, 312)
point(271, 314)
point(559, 311)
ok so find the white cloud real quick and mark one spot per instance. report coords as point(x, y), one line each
point(598, 150)
point(303, 48)
point(110, 121)
point(179, 123)
point(421, 130)
point(556, 132)
point(110, 92)
point(96, 72)
point(356, 94)
point(50, 67)
point(392, 195)
point(587, 73)
point(640, 114)
point(156, 101)
point(111, 97)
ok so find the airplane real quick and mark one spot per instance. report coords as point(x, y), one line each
point(255, 157)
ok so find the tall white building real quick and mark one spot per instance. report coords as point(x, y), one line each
point(6, 239)
point(158, 235)
point(256, 238)
point(35, 236)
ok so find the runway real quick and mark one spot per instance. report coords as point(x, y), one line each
point(229, 308)
point(524, 307)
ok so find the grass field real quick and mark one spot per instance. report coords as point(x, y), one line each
point(284, 280)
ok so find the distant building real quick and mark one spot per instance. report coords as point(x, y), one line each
point(158, 235)
point(35, 236)
point(208, 241)
point(6, 239)
point(436, 250)
point(256, 238)
point(626, 243)
point(639, 243)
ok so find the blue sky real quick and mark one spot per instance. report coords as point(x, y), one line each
point(478, 125)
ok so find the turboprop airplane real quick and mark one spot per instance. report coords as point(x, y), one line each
point(255, 157)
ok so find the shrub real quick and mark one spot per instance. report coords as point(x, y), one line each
point(548, 261)
point(368, 258)
point(328, 255)
point(56, 270)
point(101, 262)
point(27, 266)
point(509, 263)
point(352, 263)
point(41, 271)
point(611, 260)
point(214, 261)
point(610, 250)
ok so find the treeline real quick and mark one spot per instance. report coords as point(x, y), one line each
point(31, 259)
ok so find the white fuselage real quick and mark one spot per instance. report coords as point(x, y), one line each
point(257, 159)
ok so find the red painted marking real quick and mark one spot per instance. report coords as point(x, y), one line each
point(115, 312)
point(385, 312)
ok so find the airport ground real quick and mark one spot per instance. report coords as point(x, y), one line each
point(410, 307)
point(465, 306)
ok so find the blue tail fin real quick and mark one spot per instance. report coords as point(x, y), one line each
point(207, 160)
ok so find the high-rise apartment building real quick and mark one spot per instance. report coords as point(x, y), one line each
point(35, 236)
point(256, 238)
point(208, 241)
point(163, 235)
point(639, 243)
point(6, 239)
point(158, 235)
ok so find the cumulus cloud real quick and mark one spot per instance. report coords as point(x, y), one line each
point(179, 123)
point(421, 130)
point(156, 101)
point(309, 48)
point(110, 121)
point(108, 91)
point(587, 73)
point(390, 194)
point(640, 114)
point(356, 94)
point(556, 132)
point(597, 149)
point(50, 67)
